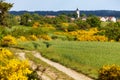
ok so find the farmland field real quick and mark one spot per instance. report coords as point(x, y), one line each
point(85, 57)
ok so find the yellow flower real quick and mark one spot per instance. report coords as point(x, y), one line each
point(9, 40)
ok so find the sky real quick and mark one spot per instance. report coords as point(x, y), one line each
point(57, 5)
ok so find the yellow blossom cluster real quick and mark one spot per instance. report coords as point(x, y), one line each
point(45, 37)
point(109, 72)
point(22, 38)
point(85, 35)
point(64, 26)
point(47, 27)
point(4, 53)
point(36, 25)
point(33, 37)
point(8, 40)
point(11, 68)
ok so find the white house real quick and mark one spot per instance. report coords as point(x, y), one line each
point(103, 19)
point(113, 19)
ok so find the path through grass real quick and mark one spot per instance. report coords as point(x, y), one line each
point(85, 57)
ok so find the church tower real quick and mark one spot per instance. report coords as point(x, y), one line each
point(78, 13)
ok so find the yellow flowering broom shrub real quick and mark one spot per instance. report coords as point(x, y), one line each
point(5, 55)
point(22, 38)
point(8, 40)
point(33, 37)
point(64, 26)
point(11, 68)
point(47, 27)
point(109, 72)
point(45, 37)
point(36, 25)
point(85, 35)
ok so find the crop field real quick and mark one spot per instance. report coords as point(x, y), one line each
point(85, 57)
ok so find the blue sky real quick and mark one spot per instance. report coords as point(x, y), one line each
point(56, 5)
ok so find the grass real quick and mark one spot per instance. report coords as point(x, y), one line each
point(85, 57)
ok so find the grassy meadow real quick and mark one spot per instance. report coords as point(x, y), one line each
point(85, 57)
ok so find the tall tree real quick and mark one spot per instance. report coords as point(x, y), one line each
point(26, 19)
point(4, 8)
point(94, 21)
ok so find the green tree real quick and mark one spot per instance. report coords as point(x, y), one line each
point(26, 19)
point(63, 18)
point(13, 20)
point(94, 21)
point(82, 24)
point(83, 15)
point(4, 8)
point(112, 31)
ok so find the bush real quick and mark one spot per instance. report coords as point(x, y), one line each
point(64, 26)
point(8, 41)
point(19, 31)
point(45, 37)
point(35, 31)
point(22, 38)
point(33, 37)
point(11, 68)
point(112, 31)
point(82, 24)
point(93, 21)
point(109, 72)
point(3, 31)
point(36, 25)
point(72, 27)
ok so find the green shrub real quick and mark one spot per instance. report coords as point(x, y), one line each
point(72, 27)
point(3, 31)
point(112, 31)
point(82, 24)
point(109, 72)
point(35, 31)
point(19, 31)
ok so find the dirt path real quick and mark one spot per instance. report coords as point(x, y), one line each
point(69, 72)
point(21, 56)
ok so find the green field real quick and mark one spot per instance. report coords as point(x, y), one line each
point(85, 57)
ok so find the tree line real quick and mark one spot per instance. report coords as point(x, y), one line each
point(96, 12)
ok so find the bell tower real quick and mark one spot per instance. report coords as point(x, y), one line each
point(78, 13)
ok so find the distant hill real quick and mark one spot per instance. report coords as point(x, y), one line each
point(96, 12)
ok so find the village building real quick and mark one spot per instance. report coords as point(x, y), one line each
point(113, 19)
point(50, 16)
point(104, 19)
